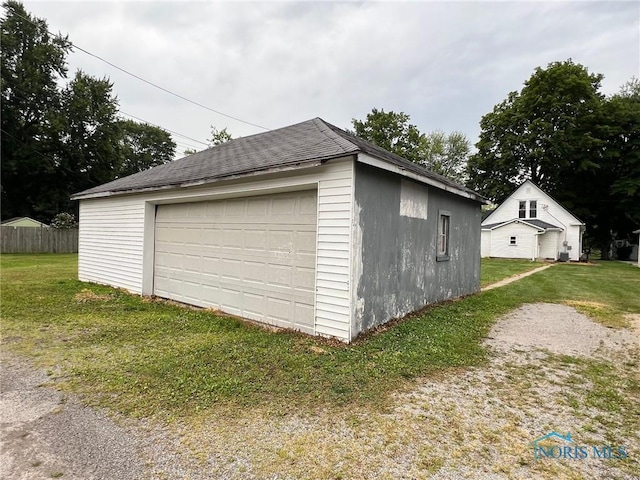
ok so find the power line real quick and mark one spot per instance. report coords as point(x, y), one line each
point(146, 81)
point(171, 131)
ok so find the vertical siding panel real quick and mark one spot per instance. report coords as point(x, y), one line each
point(335, 198)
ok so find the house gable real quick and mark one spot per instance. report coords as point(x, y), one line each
point(554, 229)
point(23, 222)
point(546, 209)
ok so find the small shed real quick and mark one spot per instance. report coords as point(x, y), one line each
point(305, 227)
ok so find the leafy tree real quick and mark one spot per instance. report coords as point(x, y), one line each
point(543, 133)
point(218, 137)
point(92, 141)
point(437, 151)
point(564, 135)
point(446, 154)
point(391, 131)
point(143, 146)
point(32, 63)
point(612, 204)
point(64, 220)
point(60, 140)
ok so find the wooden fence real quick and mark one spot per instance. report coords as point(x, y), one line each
point(38, 240)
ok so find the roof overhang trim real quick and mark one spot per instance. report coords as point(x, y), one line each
point(203, 182)
point(383, 165)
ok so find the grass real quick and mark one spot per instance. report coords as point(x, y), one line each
point(148, 358)
point(496, 269)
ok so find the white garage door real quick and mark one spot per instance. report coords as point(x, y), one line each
point(253, 256)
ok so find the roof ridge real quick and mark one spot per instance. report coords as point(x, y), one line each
point(332, 128)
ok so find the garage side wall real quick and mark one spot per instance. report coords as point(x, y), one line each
point(395, 241)
point(110, 243)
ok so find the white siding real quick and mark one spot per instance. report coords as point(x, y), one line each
point(526, 242)
point(335, 196)
point(110, 245)
point(485, 242)
point(115, 246)
point(549, 246)
point(548, 211)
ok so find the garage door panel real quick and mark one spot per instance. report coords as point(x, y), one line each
point(305, 278)
point(253, 257)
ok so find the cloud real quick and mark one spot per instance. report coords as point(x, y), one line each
point(446, 63)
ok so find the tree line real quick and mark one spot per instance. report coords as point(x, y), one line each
point(58, 139)
point(559, 130)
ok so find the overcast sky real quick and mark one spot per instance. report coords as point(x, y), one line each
point(275, 64)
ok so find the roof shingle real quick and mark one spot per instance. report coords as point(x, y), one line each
point(296, 145)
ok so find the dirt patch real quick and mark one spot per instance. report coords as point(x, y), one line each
point(87, 296)
point(634, 320)
point(559, 329)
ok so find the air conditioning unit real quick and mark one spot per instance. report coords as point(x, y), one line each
point(564, 257)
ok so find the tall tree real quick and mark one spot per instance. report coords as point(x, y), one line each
point(445, 154)
point(32, 63)
point(57, 141)
point(92, 131)
point(143, 146)
point(391, 131)
point(543, 133)
point(560, 132)
point(612, 205)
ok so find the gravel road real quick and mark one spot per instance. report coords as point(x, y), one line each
point(47, 434)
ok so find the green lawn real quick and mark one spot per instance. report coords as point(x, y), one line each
point(142, 357)
point(496, 269)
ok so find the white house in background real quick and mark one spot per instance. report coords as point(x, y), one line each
point(638, 249)
point(531, 224)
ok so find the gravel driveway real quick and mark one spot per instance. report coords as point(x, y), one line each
point(476, 423)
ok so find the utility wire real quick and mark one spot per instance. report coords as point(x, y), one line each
point(144, 80)
point(171, 131)
point(141, 120)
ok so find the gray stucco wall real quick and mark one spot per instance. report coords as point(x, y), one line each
point(395, 267)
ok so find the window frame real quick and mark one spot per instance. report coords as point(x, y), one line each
point(533, 209)
point(443, 254)
point(522, 209)
point(513, 240)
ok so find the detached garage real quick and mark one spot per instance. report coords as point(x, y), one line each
point(306, 227)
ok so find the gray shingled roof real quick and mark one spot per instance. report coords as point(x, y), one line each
point(531, 221)
point(305, 143)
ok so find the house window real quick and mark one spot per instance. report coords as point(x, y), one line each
point(522, 210)
point(444, 220)
point(533, 208)
point(512, 241)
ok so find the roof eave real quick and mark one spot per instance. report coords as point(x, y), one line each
point(206, 181)
point(373, 161)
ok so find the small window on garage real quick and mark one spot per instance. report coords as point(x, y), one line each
point(513, 241)
point(444, 221)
